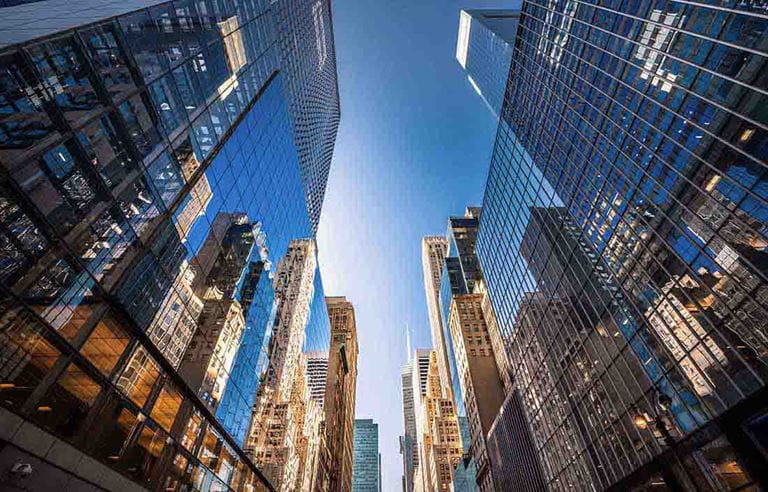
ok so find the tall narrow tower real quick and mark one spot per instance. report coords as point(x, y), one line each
point(433, 251)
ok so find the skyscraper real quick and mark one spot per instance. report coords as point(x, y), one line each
point(278, 421)
point(484, 50)
point(408, 439)
point(309, 60)
point(623, 242)
point(366, 475)
point(481, 385)
point(433, 251)
point(441, 447)
point(340, 397)
point(149, 152)
point(317, 374)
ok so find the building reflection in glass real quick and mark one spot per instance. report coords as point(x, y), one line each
point(639, 130)
point(146, 159)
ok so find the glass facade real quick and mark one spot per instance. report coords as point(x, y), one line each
point(149, 179)
point(623, 239)
point(309, 60)
point(484, 51)
point(366, 473)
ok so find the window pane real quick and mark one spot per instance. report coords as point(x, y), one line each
point(141, 459)
point(105, 345)
point(192, 430)
point(166, 407)
point(66, 76)
point(25, 356)
point(108, 59)
point(66, 404)
point(139, 376)
point(112, 429)
point(23, 121)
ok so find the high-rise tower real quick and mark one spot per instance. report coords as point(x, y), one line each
point(148, 153)
point(623, 242)
point(484, 50)
point(433, 251)
point(340, 395)
point(366, 475)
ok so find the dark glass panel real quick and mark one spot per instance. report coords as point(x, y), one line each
point(141, 459)
point(24, 122)
point(112, 429)
point(107, 150)
point(67, 76)
point(109, 59)
point(26, 355)
point(143, 39)
point(65, 406)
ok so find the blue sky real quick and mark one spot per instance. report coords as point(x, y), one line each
point(413, 147)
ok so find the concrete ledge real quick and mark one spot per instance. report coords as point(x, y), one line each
point(56, 465)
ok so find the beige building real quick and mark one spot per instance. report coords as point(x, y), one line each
point(433, 251)
point(497, 340)
point(211, 353)
point(440, 441)
point(175, 323)
point(479, 377)
point(283, 418)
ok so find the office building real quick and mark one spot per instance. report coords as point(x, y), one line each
point(279, 412)
point(464, 337)
point(308, 58)
point(623, 243)
point(148, 152)
point(484, 50)
point(419, 371)
point(481, 385)
point(408, 439)
point(366, 476)
point(337, 457)
point(441, 443)
point(317, 374)
point(433, 251)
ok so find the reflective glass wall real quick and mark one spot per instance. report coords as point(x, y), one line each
point(149, 181)
point(623, 235)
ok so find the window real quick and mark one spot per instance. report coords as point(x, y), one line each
point(139, 376)
point(105, 345)
point(25, 358)
point(167, 406)
point(66, 403)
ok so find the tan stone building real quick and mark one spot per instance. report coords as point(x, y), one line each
point(283, 419)
point(441, 447)
point(479, 377)
point(335, 462)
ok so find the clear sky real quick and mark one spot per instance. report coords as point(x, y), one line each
point(413, 147)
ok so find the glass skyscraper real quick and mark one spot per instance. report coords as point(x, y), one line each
point(152, 174)
point(623, 241)
point(484, 51)
point(366, 467)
